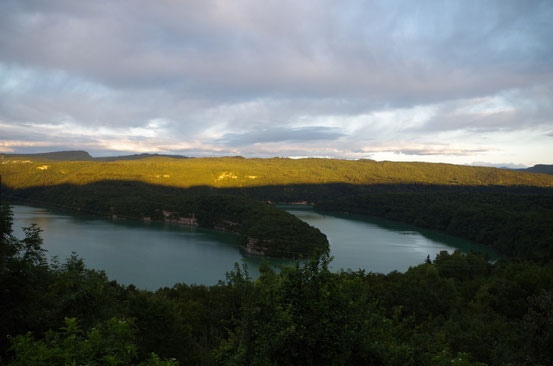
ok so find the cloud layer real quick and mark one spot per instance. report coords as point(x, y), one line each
point(438, 81)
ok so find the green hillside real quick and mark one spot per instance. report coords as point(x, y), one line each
point(240, 172)
point(262, 229)
point(145, 188)
point(517, 225)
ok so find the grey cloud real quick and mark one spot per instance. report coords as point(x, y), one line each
point(281, 134)
point(512, 110)
point(441, 151)
point(270, 72)
point(384, 52)
point(422, 148)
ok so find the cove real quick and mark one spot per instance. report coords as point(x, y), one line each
point(378, 245)
point(154, 255)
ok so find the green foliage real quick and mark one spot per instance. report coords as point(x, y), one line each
point(110, 343)
point(162, 188)
point(240, 172)
point(309, 316)
point(461, 359)
point(279, 233)
point(516, 225)
point(538, 324)
point(6, 221)
point(457, 310)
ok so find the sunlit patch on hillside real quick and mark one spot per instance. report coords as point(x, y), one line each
point(227, 175)
point(43, 167)
point(16, 162)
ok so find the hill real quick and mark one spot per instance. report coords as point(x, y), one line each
point(231, 172)
point(517, 225)
point(263, 229)
point(145, 188)
point(76, 155)
point(539, 168)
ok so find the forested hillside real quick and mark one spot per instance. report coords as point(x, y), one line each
point(240, 172)
point(263, 229)
point(516, 225)
point(161, 188)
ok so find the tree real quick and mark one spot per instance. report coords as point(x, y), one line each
point(109, 343)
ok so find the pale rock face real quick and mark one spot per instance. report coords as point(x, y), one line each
point(252, 247)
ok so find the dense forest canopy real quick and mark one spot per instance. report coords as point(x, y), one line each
point(240, 172)
point(516, 225)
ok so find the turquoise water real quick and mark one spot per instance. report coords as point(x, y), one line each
point(153, 255)
point(378, 245)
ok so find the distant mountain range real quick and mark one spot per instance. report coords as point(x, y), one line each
point(80, 155)
point(539, 168)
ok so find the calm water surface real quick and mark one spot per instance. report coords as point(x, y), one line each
point(378, 245)
point(153, 255)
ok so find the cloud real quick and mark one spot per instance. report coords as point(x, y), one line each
point(282, 77)
point(422, 149)
point(280, 134)
point(500, 165)
point(280, 48)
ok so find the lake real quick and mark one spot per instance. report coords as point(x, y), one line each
point(153, 255)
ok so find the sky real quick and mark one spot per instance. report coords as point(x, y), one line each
point(463, 82)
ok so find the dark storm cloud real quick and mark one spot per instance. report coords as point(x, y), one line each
point(280, 134)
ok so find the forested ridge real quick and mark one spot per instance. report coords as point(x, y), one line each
point(458, 310)
point(516, 225)
point(239, 172)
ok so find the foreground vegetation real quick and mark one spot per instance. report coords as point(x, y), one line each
point(458, 310)
point(516, 225)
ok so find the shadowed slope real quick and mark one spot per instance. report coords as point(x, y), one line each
point(263, 229)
